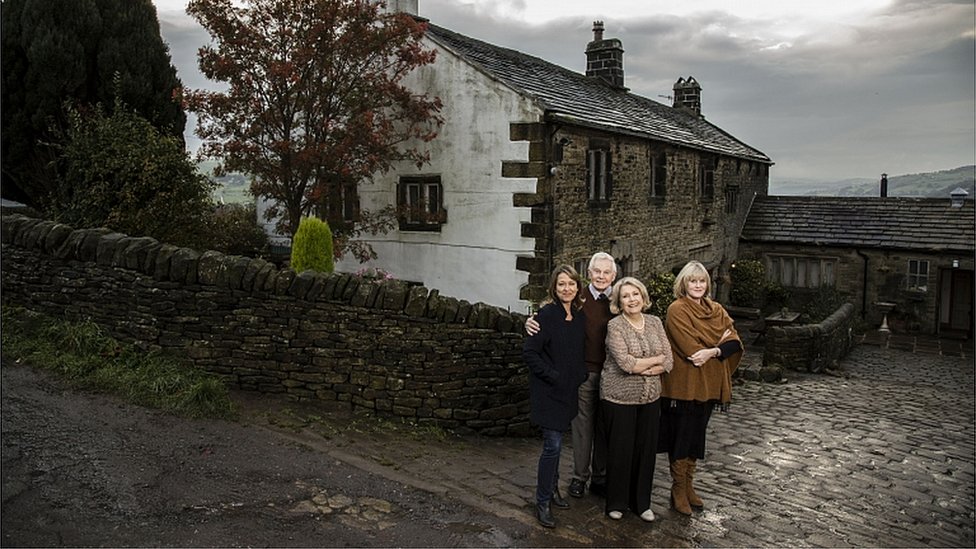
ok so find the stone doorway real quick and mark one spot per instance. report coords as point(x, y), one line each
point(956, 304)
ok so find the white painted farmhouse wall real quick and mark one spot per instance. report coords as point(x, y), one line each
point(473, 257)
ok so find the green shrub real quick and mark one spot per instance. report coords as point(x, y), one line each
point(660, 288)
point(233, 229)
point(311, 248)
point(822, 304)
point(748, 283)
point(776, 297)
point(119, 171)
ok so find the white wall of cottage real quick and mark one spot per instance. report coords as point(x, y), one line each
point(473, 256)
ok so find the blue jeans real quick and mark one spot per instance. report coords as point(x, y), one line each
point(552, 446)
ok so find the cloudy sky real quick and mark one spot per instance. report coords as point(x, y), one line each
point(829, 89)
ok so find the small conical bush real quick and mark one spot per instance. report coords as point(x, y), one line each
point(311, 248)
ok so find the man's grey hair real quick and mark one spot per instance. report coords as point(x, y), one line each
point(600, 256)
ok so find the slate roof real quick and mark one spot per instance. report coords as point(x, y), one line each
point(573, 97)
point(895, 223)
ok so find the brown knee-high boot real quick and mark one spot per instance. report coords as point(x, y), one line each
point(679, 483)
point(693, 499)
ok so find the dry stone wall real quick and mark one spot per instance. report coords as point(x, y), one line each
point(812, 347)
point(396, 349)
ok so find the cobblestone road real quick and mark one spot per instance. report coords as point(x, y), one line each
point(882, 455)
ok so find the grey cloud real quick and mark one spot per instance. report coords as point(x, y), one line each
point(821, 107)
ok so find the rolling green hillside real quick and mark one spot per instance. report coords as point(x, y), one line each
point(931, 184)
point(232, 188)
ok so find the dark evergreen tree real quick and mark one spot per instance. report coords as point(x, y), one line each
point(78, 53)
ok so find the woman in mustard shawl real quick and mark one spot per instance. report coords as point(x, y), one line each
point(706, 351)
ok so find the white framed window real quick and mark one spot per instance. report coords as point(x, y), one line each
point(420, 203)
point(918, 275)
point(802, 272)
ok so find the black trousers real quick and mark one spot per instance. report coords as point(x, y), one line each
point(683, 427)
point(632, 432)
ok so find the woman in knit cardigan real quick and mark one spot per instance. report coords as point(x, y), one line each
point(630, 387)
point(707, 350)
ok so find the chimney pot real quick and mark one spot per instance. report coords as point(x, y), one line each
point(884, 185)
point(406, 6)
point(605, 58)
point(597, 31)
point(687, 94)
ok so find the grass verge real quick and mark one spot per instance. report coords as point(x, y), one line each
point(331, 426)
point(84, 355)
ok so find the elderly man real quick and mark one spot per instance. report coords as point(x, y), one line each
point(589, 439)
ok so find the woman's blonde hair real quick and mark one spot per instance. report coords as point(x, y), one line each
point(628, 281)
point(571, 272)
point(693, 269)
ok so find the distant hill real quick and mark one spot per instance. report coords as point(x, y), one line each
point(931, 184)
point(232, 188)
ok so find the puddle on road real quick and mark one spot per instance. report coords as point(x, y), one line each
point(466, 533)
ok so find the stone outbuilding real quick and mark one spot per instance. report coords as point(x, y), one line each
point(909, 257)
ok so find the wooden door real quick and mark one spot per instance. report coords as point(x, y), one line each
point(960, 302)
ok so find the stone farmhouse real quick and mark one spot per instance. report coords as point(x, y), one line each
point(538, 165)
point(909, 257)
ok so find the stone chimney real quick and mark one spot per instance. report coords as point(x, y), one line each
point(605, 58)
point(958, 197)
point(687, 95)
point(406, 6)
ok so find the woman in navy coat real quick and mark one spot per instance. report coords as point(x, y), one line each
point(554, 356)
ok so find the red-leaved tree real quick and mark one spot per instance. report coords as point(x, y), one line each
point(315, 101)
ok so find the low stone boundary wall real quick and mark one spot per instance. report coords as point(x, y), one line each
point(811, 347)
point(386, 346)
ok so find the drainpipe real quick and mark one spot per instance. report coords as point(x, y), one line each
point(551, 174)
point(864, 285)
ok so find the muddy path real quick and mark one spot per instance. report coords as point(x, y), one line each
point(82, 469)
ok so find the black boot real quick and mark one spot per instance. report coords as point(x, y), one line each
point(545, 515)
point(558, 500)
